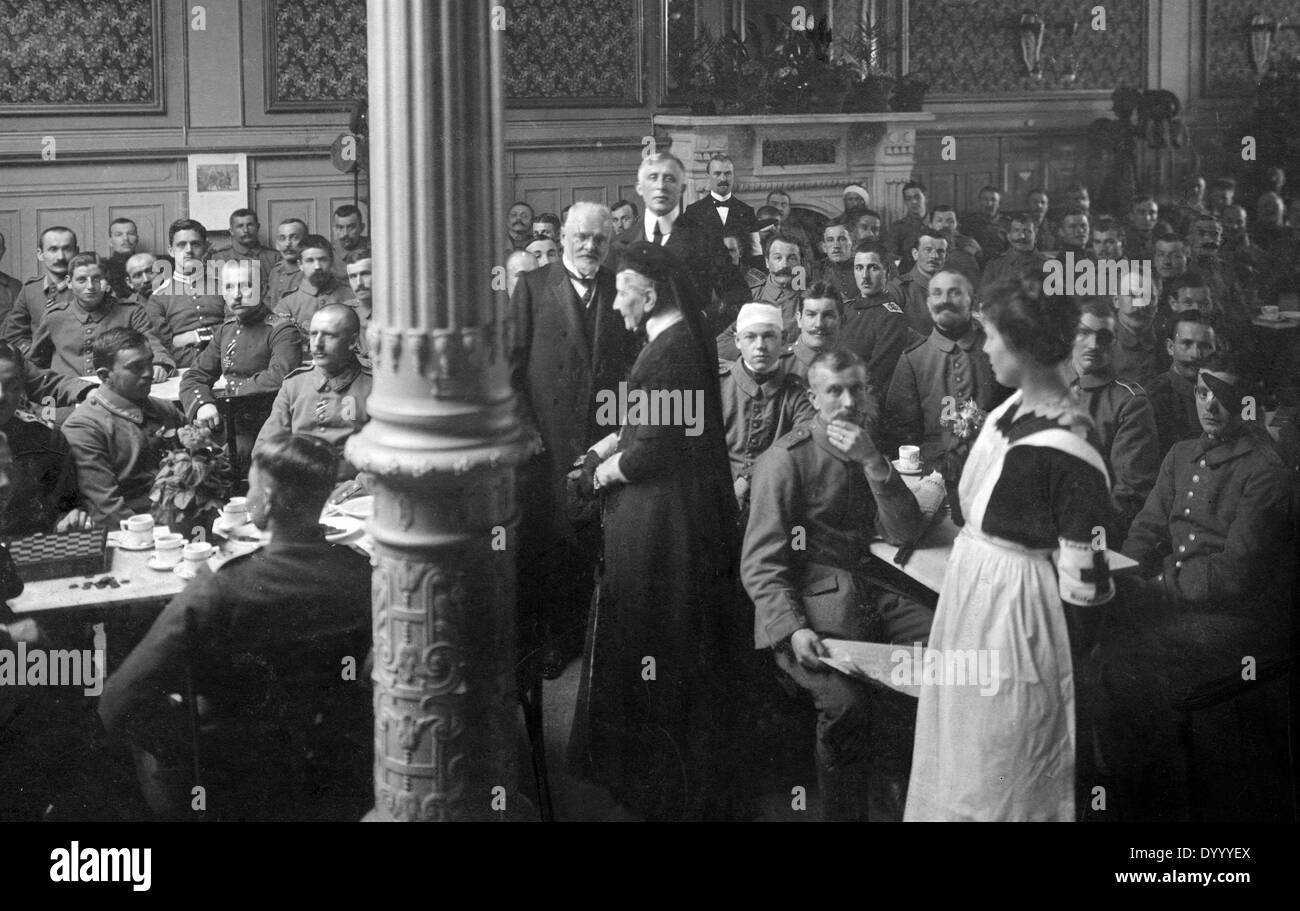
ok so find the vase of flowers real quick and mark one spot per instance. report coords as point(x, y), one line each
point(964, 424)
point(193, 482)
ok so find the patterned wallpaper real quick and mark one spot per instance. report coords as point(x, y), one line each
point(84, 53)
point(555, 51)
point(562, 50)
point(318, 53)
point(1229, 66)
point(971, 47)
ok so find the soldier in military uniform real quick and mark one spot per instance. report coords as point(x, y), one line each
point(820, 316)
point(185, 307)
point(252, 354)
point(56, 248)
point(776, 286)
point(828, 479)
point(1137, 354)
point(326, 399)
point(912, 289)
point(1124, 426)
point(247, 246)
point(837, 267)
point(43, 479)
point(988, 225)
point(319, 285)
point(761, 399)
point(65, 337)
point(271, 629)
point(937, 374)
point(1022, 256)
point(286, 275)
point(905, 234)
point(874, 326)
point(118, 435)
point(1191, 341)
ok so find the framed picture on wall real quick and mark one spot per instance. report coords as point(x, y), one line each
point(218, 186)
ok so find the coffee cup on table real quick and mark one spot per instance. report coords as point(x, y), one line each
point(909, 458)
point(137, 531)
point(1270, 312)
point(194, 556)
point(167, 549)
point(235, 512)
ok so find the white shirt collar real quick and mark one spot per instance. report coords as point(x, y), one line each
point(666, 223)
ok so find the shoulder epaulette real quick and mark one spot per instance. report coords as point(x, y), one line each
point(915, 343)
point(297, 370)
point(724, 367)
point(1131, 386)
point(892, 306)
point(795, 437)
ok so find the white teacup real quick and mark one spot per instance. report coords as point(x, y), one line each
point(910, 457)
point(167, 549)
point(137, 531)
point(1270, 312)
point(235, 511)
point(197, 552)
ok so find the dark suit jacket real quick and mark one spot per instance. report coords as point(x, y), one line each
point(740, 220)
point(557, 372)
point(717, 285)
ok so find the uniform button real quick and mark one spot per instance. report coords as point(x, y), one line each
point(1178, 564)
point(1202, 463)
point(1196, 478)
point(1182, 548)
point(1189, 494)
point(1187, 512)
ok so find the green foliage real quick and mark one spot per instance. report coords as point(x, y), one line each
point(193, 480)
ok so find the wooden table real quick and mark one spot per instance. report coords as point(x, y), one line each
point(930, 559)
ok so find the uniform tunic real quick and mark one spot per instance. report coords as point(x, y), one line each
point(764, 290)
point(29, 309)
point(1008, 266)
point(875, 330)
point(1032, 492)
point(1173, 401)
point(267, 260)
point(285, 278)
point(1137, 354)
point(911, 291)
point(118, 446)
point(1124, 432)
point(756, 413)
point(252, 358)
point(43, 482)
point(300, 305)
point(329, 407)
point(64, 338)
point(176, 314)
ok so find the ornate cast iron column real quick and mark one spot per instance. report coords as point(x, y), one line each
point(442, 441)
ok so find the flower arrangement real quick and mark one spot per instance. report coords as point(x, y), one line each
point(193, 481)
point(966, 423)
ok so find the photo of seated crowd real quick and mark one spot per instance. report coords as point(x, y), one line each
point(916, 513)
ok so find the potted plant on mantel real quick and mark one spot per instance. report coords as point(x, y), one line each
point(193, 482)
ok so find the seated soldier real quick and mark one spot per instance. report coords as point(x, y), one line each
point(139, 278)
point(327, 398)
point(1215, 546)
point(119, 434)
point(249, 352)
point(43, 495)
point(264, 643)
point(319, 285)
point(1124, 426)
point(246, 245)
point(1191, 339)
point(874, 326)
point(820, 316)
point(761, 399)
point(937, 375)
point(185, 306)
point(64, 340)
point(828, 478)
point(55, 248)
point(287, 274)
point(359, 278)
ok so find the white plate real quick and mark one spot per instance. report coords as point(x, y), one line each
point(357, 507)
point(122, 544)
point(155, 565)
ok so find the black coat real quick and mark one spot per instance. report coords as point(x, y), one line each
point(741, 220)
point(557, 372)
point(670, 553)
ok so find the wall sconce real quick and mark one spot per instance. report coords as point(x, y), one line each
point(1263, 32)
point(1031, 28)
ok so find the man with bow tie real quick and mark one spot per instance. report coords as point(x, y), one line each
point(569, 345)
point(724, 213)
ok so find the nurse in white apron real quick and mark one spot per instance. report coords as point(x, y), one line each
point(1000, 745)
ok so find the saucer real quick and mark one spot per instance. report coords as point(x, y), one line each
point(898, 466)
point(123, 544)
point(155, 565)
point(187, 574)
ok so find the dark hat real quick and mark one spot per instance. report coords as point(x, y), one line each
point(650, 260)
point(1229, 393)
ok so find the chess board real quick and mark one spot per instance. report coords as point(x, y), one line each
point(77, 553)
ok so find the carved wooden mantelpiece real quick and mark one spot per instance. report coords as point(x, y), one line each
point(811, 156)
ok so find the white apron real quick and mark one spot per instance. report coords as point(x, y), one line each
point(1003, 752)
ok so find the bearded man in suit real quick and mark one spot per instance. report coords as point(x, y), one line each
point(569, 345)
